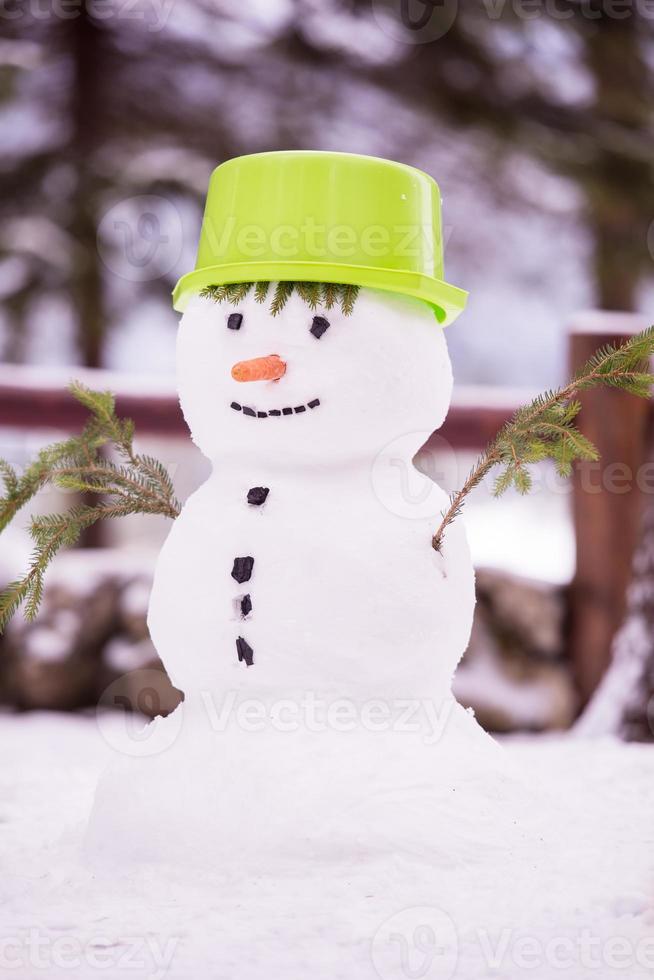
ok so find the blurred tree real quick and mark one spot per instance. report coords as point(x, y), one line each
point(103, 103)
point(105, 108)
point(571, 85)
point(623, 704)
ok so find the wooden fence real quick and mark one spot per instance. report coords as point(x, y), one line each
point(606, 497)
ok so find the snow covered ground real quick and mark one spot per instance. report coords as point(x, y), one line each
point(573, 896)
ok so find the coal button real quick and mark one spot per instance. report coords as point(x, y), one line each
point(244, 651)
point(242, 569)
point(257, 496)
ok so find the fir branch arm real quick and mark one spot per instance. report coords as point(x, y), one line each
point(139, 485)
point(484, 465)
point(544, 429)
point(50, 533)
point(20, 490)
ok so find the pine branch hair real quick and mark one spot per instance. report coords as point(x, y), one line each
point(314, 294)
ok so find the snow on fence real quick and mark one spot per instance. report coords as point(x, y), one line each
point(607, 498)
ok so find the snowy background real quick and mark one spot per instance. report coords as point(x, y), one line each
point(112, 127)
point(536, 121)
point(536, 124)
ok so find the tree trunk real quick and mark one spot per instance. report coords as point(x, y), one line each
point(86, 46)
point(87, 49)
point(607, 502)
point(624, 702)
point(618, 226)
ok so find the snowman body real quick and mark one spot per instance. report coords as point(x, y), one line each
point(288, 569)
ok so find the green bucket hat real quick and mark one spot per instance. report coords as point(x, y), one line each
point(309, 216)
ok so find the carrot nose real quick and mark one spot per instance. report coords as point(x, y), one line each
point(270, 368)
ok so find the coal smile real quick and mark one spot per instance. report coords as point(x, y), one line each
point(290, 410)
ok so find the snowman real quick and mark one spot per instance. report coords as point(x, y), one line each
point(289, 570)
point(312, 628)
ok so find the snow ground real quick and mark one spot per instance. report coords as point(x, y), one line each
point(575, 899)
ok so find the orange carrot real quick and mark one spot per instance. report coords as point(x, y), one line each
point(269, 368)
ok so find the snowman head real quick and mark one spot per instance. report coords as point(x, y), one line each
point(311, 385)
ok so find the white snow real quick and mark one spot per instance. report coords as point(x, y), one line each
point(82, 572)
point(39, 378)
point(531, 535)
point(46, 644)
point(482, 682)
point(609, 322)
point(135, 597)
point(124, 657)
point(572, 897)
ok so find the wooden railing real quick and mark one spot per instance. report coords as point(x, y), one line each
point(606, 511)
point(32, 399)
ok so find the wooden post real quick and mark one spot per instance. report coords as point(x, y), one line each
point(607, 498)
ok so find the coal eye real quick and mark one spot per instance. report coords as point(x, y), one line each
point(234, 321)
point(318, 326)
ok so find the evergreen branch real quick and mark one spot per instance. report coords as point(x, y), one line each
point(139, 480)
point(348, 298)
point(330, 294)
point(483, 466)
point(50, 533)
point(138, 485)
point(9, 476)
point(545, 429)
point(36, 476)
point(283, 292)
point(309, 292)
point(238, 291)
point(159, 476)
point(312, 293)
point(215, 293)
point(261, 291)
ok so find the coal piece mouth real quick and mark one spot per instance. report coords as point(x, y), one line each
point(275, 412)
